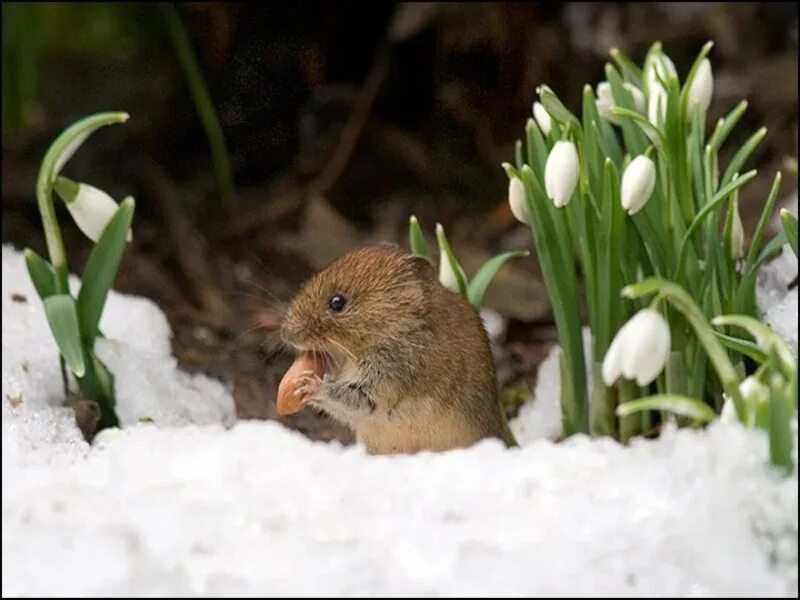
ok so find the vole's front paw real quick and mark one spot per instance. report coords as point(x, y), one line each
point(309, 384)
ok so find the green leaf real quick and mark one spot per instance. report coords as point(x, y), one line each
point(764, 336)
point(202, 102)
point(762, 222)
point(650, 130)
point(726, 125)
point(416, 240)
point(772, 247)
point(629, 69)
point(42, 274)
point(721, 195)
point(105, 380)
point(742, 154)
point(63, 318)
point(789, 223)
point(781, 400)
point(101, 269)
point(745, 347)
point(683, 406)
point(481, 280)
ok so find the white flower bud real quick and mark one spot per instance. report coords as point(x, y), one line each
point(701, 90)
point(661, 66)
point(657, 104)
point(638, 183)
point(752, 390)
point(639, 350)
point(91, 208)
point(561, 173)
point(542, 118)
point(517, 201)
point(605, 101)
point(447, 277)
point(728, 413)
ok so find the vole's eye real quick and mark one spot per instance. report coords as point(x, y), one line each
point(336, 302)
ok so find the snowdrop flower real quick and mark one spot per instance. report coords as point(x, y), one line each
point(91, 208)
point(561, 173)
point(605, 101)
point(657, 104)
point(728, 414)
point(753, 391)
point(516, 199)
point(658, 66)
point(656, 94)
point(638, 183)
point(447, 276)
point(702, 89)
point(639, 350)
point(542, 118)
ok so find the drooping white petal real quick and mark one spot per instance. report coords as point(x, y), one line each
point(752, 390)
point(657, 104)
point(638, 96)
point(638, 183)
point(561, 172)
point(605, 102)
point(542, 118)
point(612, 363)
point(517, 201)
point(647, 346)
point(91, 208)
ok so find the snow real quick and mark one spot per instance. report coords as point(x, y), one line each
point(775, 300)
point(194, 504)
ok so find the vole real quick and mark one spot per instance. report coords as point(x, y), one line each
point(390, 352)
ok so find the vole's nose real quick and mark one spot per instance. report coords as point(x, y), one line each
point(295, 333)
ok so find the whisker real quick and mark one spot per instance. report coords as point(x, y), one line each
point(350, 354)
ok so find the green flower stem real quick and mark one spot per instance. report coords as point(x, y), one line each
point(602, 420)
point(59, 152)
point(630, 425)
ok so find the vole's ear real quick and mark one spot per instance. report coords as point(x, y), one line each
point(422, 267)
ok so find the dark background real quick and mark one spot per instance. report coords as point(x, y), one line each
point(341, 120)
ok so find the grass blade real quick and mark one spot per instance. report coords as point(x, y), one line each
point(789, 224)
point(481, 280)
point(203, 104)
point(416, 239)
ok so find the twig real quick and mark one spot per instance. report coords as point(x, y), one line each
point(190, 247)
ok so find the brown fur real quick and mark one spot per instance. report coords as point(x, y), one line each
point(411, 364)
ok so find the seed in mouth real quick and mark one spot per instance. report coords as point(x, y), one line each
point(299, 382)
